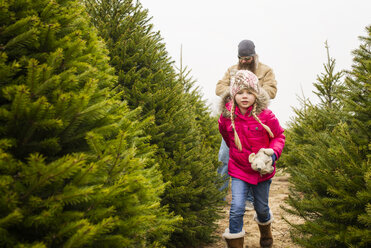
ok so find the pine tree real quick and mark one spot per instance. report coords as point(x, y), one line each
point(202, 160)
point(50, 92)
point(330, 170)
point(357, 108)
point(311, 118)
point(357, 96)
point(183, 131)
point(328, 84)
point(76, 168)
point(130, 184)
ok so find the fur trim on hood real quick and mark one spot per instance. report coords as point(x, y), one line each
point(262, 102)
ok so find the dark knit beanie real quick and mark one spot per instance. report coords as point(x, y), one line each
point(246, 48)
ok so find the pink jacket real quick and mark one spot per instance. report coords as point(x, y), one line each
point(253, 137)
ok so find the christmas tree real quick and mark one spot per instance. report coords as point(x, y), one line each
point(183, 130)
point(328, 159)
point(77, 170)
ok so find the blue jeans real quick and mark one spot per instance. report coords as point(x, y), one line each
point(223, 170)
point(239, 193)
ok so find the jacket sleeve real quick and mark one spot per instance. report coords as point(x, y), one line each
point(223, 129)
point(278, 141)
point(223, 85)
point(269, 83)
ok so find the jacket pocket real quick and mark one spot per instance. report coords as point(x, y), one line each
point(258, 137)
point(256, 131)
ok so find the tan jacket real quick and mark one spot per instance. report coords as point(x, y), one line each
point(264, 73)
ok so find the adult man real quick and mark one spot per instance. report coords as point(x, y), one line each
point(247, 60)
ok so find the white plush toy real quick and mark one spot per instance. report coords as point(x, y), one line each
point(262, 161)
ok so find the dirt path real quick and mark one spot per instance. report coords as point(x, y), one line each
point(280, 230)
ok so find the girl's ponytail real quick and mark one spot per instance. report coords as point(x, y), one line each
point(237, 140)
point(253, 112)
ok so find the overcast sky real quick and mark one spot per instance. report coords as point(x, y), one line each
point(289, 36)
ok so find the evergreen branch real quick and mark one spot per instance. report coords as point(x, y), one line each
point(12, 218)
point(55, 171)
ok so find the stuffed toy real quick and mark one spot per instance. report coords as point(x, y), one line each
point(262, 161)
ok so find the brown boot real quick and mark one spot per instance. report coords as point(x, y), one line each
point(234, 240)
point(266, 238)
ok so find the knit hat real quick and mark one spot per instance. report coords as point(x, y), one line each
point(244, 79)
point(246, 48)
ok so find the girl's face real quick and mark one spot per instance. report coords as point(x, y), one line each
point(244, 99)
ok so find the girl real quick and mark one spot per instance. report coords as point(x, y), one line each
point(247, 126)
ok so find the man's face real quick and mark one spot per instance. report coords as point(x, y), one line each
point(246, 63)
point(245, 60)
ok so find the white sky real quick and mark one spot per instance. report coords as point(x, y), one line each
point(289, 36)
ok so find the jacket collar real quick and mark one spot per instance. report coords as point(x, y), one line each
point(237, 110)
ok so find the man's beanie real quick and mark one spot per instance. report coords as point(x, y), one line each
point(246, 48)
